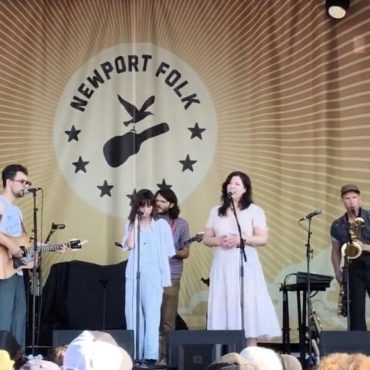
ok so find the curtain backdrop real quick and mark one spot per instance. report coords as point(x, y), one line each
point(273, 88)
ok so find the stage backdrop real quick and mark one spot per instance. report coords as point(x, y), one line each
point(101, 98)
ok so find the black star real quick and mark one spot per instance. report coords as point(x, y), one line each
point(105, 189)
point(187, 164)
point(196, 131)
point(72, 133)
point(164, 185)
point(131, 196)
point(80, 165)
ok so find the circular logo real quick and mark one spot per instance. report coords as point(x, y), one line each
point(134, 116)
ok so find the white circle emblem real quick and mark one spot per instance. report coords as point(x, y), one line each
point(134, 116)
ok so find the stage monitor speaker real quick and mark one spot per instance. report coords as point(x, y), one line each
point(9, 343)
point(344, 341)
point(124, 338)
point(196, 349)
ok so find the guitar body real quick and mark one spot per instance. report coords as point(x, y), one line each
point(7, 268)
point(10, 265)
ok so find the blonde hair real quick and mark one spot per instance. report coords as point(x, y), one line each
point(344, 361)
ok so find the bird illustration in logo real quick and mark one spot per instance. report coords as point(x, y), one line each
point(136, 114)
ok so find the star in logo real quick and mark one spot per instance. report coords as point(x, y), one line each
point(105, 189)
point(72, 133)
point(187, 164)
point(196, 131)
point(163, 185)
point(131, 196)
point(80, 165)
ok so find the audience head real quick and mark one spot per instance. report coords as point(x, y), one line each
point(36, 364)
point(290, 362)
point(5, 362)
point(95, 350)
point(232, 361)
point(264, 358)
point(344, 361)
point(57, 354)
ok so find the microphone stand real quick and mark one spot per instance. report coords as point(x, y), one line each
point(33, 329)
point(309, 253)
point(138, 277)
point(104, 283)
point(345, 280)
point(241, 265)
point(40, 283)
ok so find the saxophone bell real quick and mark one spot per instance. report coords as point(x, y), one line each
point(353, 249)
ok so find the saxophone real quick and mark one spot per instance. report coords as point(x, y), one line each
point(350, 251)
point(343, 299)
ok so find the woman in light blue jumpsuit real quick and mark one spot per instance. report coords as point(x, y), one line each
point(150, 244)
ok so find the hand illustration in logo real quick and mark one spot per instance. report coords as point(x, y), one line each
point(136, 114)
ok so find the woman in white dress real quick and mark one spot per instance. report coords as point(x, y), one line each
point(225, 298)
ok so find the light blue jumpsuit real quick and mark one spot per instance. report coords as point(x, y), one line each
point(156, 246)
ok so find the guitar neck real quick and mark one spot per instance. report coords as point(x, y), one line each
point(50, 247)
point(195, 238)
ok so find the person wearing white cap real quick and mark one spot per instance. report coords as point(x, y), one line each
point(37, 364)
point(94, 350)
point(352, 226)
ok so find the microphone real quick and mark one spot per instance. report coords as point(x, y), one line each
point(139, 213)
point(31, 190)
point(118, 244)
point(314, 213)
point(57, 226)
point(230, 194)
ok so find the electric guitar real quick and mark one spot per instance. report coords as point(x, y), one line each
point(196, 238)
point(10, 265)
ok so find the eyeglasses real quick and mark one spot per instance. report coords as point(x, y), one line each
point(23, 182)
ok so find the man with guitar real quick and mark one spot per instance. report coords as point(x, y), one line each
point(167, 208)
point(13, 308)
point(12, 291)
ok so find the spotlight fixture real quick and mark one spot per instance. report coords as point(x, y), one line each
point(337, 9)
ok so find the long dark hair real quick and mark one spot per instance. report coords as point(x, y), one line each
point(171, 197)
point(246, 199)
point(141, 198)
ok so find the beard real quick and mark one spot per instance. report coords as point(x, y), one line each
point(162, 212)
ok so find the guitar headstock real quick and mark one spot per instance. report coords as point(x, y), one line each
point(75, 244)
point(198, 237)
